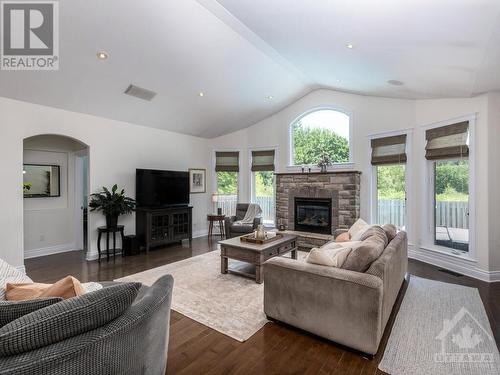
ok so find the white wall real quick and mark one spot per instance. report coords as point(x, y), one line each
point(494, 178)
point(371, 115)
point(116, 150)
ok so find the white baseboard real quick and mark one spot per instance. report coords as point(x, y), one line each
point(200, 233)
point(454, 264)
point(35, 253)
point(95, 255)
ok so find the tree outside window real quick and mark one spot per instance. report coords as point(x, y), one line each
point(318, 133)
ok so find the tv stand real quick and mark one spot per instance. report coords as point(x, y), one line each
point(162, 226)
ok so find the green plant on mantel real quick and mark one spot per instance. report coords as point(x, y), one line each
point(324, 162)
point(112, 203)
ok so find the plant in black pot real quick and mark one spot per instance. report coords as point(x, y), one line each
point(112, 204)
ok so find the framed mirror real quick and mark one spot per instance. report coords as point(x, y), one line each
point(41, 181)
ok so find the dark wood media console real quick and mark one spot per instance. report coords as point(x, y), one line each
point(155, 227)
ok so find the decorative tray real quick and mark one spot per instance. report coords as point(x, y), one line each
point(250, 238)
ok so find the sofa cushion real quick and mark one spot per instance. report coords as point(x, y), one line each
point(344, 237)
point(330, 256)
point(66, 319)
point(67, 287)
point(12, 310)
point(390, 231)
point(357, 229)
point(362, 256)
point(10, 274)
point(241, 210)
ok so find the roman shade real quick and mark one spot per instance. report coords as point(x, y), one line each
point(448, 141)
point(263, 160)
point(227, 161)
point(389, 150)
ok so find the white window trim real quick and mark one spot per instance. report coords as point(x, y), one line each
point(428, 189)
point(314, 168)
point(408, 178)
point(214, 173)
point(251, 177)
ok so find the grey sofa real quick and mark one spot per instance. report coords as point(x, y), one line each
point(135, 342)
point(233, 230)
point(348, 307)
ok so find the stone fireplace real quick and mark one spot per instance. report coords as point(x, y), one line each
point(317, 202)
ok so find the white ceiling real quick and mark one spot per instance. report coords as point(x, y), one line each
point(238, 52)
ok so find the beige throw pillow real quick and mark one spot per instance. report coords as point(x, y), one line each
point(366, 252)
point(330, 256)
point(65, 288)
point(344, 237)
point(357, 229)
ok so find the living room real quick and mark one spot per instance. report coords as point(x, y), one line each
point(253, 134)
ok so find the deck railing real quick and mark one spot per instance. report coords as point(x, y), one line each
point(228, 205)
point(448, 214)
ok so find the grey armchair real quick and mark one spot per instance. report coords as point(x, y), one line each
point(238, 230)
point(134, 343)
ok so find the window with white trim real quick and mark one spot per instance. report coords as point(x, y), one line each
point(263, 183)
point(226, 172)
point(447, 152)
point(389, 164)
point(318, 133)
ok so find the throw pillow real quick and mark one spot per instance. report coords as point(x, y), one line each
point(66, 288)
point(332, 257)
point(357, 229)
point(11, 310)
point(369, 250)
point(344, 237)
point(10, 274)
point(390, 231)
point(66, 319)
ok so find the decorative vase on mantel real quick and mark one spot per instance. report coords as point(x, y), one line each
point(323, 168)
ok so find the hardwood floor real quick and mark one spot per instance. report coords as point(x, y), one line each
point(275, 349)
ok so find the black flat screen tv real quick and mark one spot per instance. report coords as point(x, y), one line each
point(156, 189)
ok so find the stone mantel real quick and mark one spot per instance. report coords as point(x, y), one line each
point(316, 173)
point(343, 187)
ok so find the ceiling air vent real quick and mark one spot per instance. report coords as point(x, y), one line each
point(140, 93)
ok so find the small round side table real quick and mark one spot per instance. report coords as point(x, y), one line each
point(213, 218)
point(101, 230)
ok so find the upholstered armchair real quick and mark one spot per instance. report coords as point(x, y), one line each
point(234, 230)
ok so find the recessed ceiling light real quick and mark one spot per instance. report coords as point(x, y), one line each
point(269, 97)
point(349, 45)
point(395, 82)
point(102, 55)
point(201, 93)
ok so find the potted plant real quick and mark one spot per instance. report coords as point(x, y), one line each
point(112, 204)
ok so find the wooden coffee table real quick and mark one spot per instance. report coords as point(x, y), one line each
point(255, 254)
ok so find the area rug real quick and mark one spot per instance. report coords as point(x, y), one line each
point(441, 329)
point(228, 303)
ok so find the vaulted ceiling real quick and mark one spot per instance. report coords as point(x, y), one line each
point(250, 58)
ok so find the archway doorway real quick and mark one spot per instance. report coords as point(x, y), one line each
point(55, 188)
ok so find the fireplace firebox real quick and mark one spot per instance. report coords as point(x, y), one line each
point(313, 215)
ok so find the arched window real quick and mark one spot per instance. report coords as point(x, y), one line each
point(318, 133)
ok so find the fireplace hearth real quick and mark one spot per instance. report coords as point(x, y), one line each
point(313, 215)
